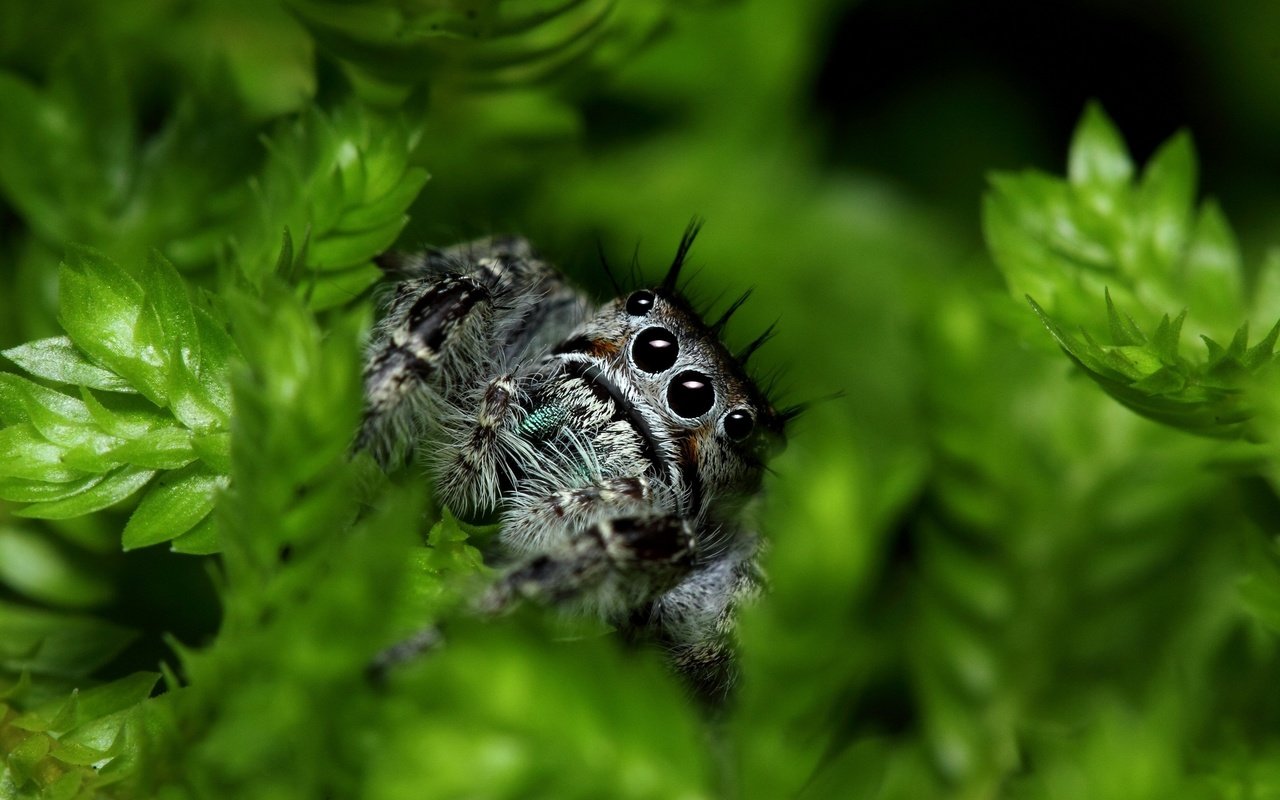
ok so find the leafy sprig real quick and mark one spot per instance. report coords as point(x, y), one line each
point(150, 369)
point(73, 746)
point(339, 183)
point(1132, 263)
point(484, 43)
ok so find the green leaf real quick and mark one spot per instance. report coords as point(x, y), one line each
point(57, 359)
point(56, 643)
point(1212, 269)
point(18, 490)
point(175, 504)
point(170, 311)
point(1099, 159)
point(1111, 258)
point(342, 250)
point(24, 453)
point(101, 307)
point(169, 447)
point(201, 540)
point(64, 716)
point(117, 486)
point(1166, 196)
point(343, 179)
point(37, 566)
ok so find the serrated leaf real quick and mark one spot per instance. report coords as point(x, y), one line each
point(1124, 331)
point(340, 182)
point(25, 758)
point(117, 486)
point(1165, 340)
point(1262, 352)
point(172, 507)
point(57, 359)
point(19, 397)
point(217, 350)
point(120, 422)
point(69, 431)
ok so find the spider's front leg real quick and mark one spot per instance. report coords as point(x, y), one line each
point(455, 314)
point(477, 462)
point(605, 547)
point(612, 565)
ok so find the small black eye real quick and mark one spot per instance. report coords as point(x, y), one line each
point(690, 394)
point(739, 424)
point(640, 303)
point(655, 349)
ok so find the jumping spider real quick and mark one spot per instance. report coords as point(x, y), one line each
point(619, 442)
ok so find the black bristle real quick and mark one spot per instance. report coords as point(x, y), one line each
point(682, 252)
point(718, 325)
point(791, 412)
point(745, 353)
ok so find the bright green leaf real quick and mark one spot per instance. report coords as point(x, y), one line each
point(1099, 159)
point(114, 488)
point(56, 359)
point(172, 507)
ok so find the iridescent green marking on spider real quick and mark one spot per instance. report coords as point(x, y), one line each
point(544, 421)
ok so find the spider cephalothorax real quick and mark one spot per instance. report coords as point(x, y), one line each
point(618, 442)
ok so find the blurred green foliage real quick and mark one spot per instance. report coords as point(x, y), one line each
point(988, 578)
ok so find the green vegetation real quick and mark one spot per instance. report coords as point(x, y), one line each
point(989, 577)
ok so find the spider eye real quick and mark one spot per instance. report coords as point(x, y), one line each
point(691, 394)
point(655, 349)
point(640, 303)
point(739, 424)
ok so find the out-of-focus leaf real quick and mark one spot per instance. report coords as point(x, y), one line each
point(39, 567)
point(343, 180)
point(55, 643)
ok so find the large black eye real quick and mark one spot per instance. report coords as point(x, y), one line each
point(640, 303)
point(655, 350)
point(739, 424)
point(690, 394)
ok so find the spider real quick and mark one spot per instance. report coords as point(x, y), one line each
point(619, 442)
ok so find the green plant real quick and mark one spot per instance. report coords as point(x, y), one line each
point(988, 579)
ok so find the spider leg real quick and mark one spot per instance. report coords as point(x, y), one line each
point(545, 522)
point(477, 463)
point(456, 314)
point(612, 565)
point(695, 620)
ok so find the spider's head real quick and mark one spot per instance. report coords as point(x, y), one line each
point(696, 396)
point(700, 392)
